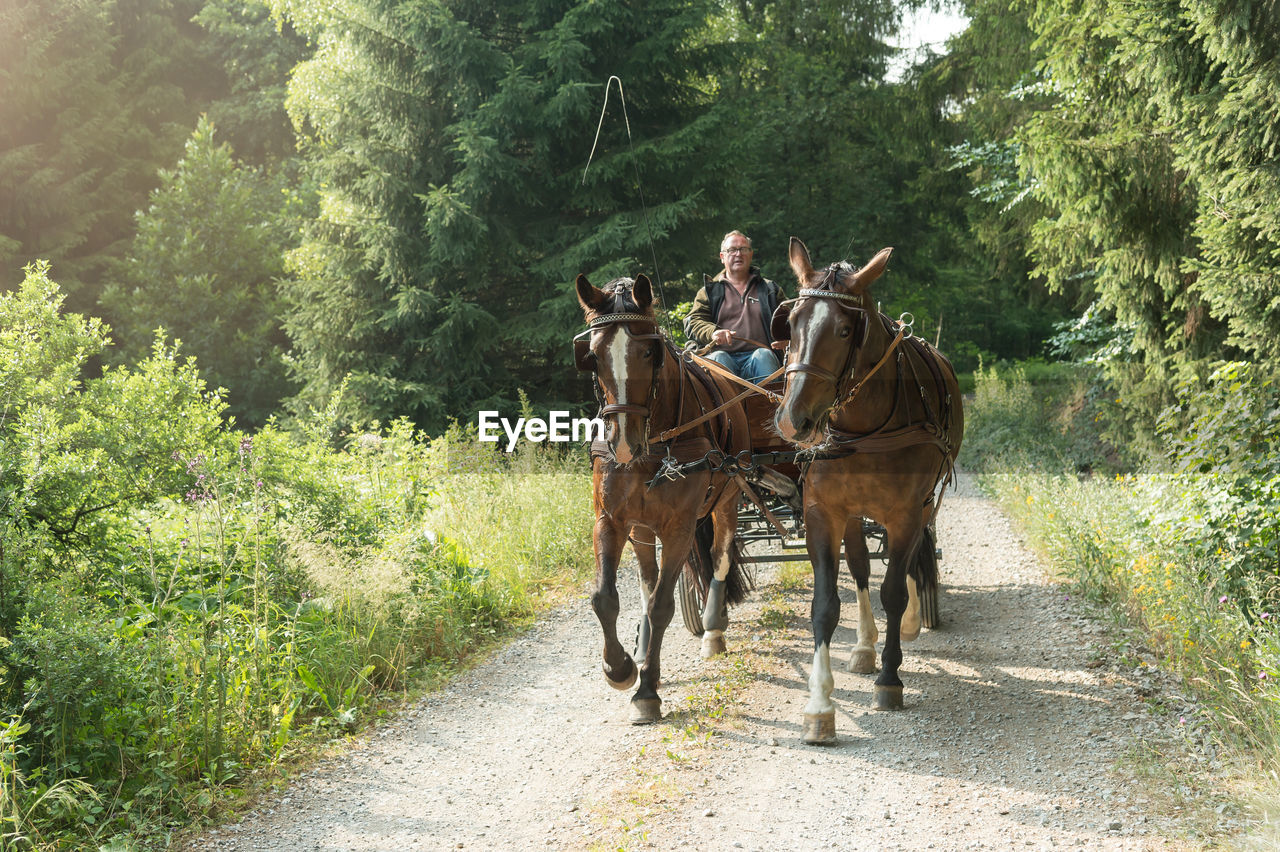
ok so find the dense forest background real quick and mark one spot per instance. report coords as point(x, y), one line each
point(362, 220)
point(395, 194)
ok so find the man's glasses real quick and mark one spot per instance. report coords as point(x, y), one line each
point(736, 250)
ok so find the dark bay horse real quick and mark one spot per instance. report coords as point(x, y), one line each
point(887, 409)
point(647, 393)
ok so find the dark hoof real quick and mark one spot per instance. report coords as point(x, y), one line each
point(645, 711)
point(713, 644)
point(888, 697)
point(820, 728)
point(627, 682)
point(862, 661)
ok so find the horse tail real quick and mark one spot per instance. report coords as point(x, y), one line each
point(739, 582)
point(925, 569)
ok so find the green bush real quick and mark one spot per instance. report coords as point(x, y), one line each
point(182, 602)
point(1224, 436)
point(1035, 415)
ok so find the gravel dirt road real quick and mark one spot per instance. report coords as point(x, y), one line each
point(1022, 730)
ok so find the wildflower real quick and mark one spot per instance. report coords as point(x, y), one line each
point(258, 485)
point(246, 445)
point(1244, 644)
point(1222, 599)
point(1262, 675)
point(1265, 616)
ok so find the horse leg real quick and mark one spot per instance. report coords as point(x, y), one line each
point(824, 553)
point(646, 706)
point(647, 556)
point(862, 660)
point(715, 614)
point(903, 540)
point(619, 668)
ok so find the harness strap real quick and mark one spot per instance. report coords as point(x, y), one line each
point(616, 408)
point(751, 495)
point(820, 372)
point(902, 331)
point(671, 433)
point(734, 377)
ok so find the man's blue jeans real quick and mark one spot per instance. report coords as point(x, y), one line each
point(752, 366)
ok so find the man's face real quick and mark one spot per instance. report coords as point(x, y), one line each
point(735, 254)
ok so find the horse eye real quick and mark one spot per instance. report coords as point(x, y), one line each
point(844, 332)
point(647, 354)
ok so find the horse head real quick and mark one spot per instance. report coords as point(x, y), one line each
point(827, 325)
point(625, 351)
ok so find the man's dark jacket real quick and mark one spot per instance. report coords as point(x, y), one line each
point(701, 322)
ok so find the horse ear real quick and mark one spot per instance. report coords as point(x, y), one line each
point(799, 256)
point(873, 270)
point(642, 291)
point(588, 296)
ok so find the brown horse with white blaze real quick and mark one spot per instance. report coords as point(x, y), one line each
point(887, 409)
point(649, 399)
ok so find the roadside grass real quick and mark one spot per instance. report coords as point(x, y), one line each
point(1174, 553)
point(294, 595)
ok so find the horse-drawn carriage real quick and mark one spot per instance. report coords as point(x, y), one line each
point(684, 448)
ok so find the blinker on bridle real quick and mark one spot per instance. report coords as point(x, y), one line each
point(582, 350)
point(847, 302)
point(839, 381)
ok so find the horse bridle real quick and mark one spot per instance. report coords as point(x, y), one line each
point(582, 348)
point(848, 302)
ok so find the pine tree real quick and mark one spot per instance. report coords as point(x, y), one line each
point(96, 97)
point(204, 265)
point(450, 138)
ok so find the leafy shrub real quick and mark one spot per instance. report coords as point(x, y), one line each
point(180, 602)
point(1035, 416)
point(1225, 436)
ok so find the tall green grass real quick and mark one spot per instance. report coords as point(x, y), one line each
point(280, 599)
point(182, 603)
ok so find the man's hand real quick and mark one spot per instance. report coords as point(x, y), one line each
point(722, 337)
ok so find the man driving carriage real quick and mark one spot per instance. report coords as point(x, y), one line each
point(732, 312)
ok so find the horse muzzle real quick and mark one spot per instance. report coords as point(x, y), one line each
point(626, 435)
point(799, 422)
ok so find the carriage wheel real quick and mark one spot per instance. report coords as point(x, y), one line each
point(929, 615)
point(691, 595)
